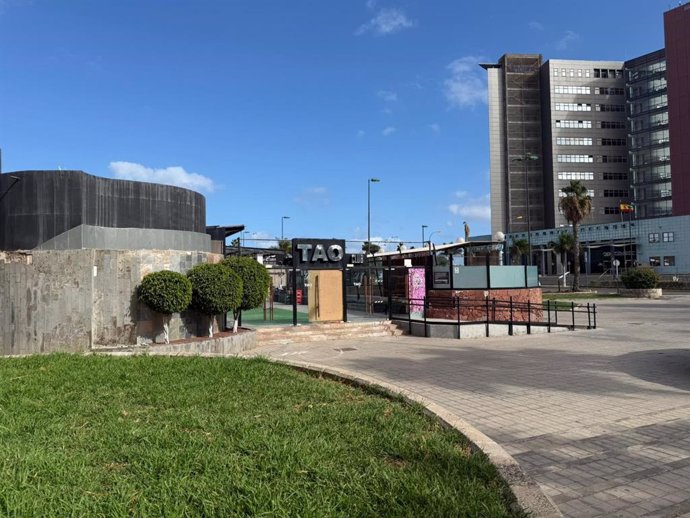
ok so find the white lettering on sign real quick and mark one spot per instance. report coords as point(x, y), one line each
point(317, 253)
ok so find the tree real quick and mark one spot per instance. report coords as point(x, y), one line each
point(370, 248)
point(285, 245)
point(216, 290)
point(576, 206)
point(519, 248)
point(166, 292)
point(562, 246)
point(255, 283)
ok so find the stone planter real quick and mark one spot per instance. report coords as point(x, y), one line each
point(652, 293)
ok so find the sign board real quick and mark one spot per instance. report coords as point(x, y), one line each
point(321, 254)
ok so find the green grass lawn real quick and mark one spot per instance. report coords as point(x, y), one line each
point(155, 436)
point(280, 316)
point(579, 297)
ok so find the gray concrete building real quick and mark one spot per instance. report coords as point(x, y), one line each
point(550, 123)
point(584, 136)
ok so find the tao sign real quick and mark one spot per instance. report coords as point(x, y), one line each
point(318, 253)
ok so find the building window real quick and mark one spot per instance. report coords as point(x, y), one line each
point(572, 124)
point(611, 210)
point(562, 89)
point(572, 107)
point(613, 159)
point(669, 260)
point(653, 237)
point(616, 176)
point(612, 142)
point(590, 193)
point(611, 124)
point(615, 193)
point(609, 107)
point(654, 261)
point(574, 141)
point(576, 158)
point(608, 90)
point(575, 175)
point(667, 237)
point(587, 73)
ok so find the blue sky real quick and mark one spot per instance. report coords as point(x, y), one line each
point(276, 108)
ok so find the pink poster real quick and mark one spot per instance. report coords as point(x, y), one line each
point(416, 289)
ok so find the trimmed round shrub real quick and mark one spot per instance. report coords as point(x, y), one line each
point(255, 280)
point(640, 279)
point(215, 289)
point(166, 292)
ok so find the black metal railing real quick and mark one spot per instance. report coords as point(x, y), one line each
point(460, 312)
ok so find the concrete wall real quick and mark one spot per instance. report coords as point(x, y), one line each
point(107, 238)
point(76, 300)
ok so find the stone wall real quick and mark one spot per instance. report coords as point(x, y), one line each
point(74, 300)
point(473, 304)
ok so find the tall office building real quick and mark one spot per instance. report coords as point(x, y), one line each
point(550, 123)
point(517, 181)
point(676, 28)
point(649, 147)
point(584, 130)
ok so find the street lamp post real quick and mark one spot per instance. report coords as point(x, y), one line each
point(369, 182)
point(423, 227)
point(527, 159)
point(282, 227)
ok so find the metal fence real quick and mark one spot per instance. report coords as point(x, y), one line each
point(488, 311)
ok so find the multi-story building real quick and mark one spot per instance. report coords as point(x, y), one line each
point(584, 134)
point(622, 129)
point(550, 123)
point(648, 143)
point(516, 138)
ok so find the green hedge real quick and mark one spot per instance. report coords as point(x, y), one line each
point(216, 289)
point(255, 280)
point(640, 278)
point(166, 292)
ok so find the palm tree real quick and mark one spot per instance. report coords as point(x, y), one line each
point(519, 248)
point(562, 246)
point(576, 206)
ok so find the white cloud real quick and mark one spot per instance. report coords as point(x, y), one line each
point(389, 130)
point(175, 175)
point(535, 26)
point(465, 86)
point(361, 133)
point(473, 209)
point(387, 21)
point(461, 194)
point(436, 128)
point(567, 39)
point(387, 95)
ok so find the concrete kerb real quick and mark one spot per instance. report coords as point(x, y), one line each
point(528, 495)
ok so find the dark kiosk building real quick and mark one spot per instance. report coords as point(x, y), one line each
point(41, 205)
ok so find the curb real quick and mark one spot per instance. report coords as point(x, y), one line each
point(529, 496)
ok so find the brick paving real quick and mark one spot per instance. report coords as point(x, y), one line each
point(600, 419)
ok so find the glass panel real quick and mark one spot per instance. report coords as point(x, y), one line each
point(469, 277)
point(532, 277)
point(507, 276)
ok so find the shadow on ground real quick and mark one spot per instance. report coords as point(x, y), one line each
point(669, 367)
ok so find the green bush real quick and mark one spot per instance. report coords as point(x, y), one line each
point(215, 289)
point(166, 292)
point(255, 280)
point(640, 278)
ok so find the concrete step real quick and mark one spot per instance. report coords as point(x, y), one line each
point(328, 331)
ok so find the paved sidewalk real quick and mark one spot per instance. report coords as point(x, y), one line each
point(600, 419)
